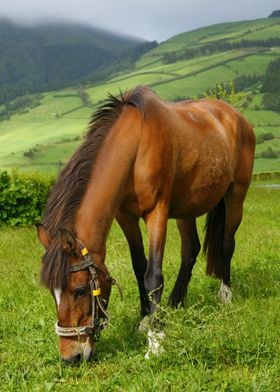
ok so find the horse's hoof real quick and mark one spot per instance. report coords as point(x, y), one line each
point(145, 324)
point(225, 294)
point(155, 343)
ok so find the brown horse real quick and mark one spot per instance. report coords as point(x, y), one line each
point(143, 158)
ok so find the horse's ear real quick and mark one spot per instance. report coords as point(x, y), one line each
point(43, 235)
point(69, 242)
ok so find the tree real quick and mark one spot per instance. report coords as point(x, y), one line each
point(224, 91)
point(271, 86)
point(275, 14)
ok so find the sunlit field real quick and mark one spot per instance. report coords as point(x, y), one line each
point(208, 346)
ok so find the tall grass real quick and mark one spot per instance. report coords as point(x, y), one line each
point(208, 347)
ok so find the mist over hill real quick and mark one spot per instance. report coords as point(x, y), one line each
point(51, 55)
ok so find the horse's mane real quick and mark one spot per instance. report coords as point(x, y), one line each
point(69, 189)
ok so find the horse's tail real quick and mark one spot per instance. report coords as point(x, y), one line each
point(213, 242)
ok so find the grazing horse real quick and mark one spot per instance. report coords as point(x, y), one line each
point(151, 159)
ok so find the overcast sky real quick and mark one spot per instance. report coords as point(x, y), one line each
point(149, 19)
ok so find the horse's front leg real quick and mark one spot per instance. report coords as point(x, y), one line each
point(156, 222)
point(132, 232)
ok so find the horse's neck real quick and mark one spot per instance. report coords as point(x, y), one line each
point(105, 189)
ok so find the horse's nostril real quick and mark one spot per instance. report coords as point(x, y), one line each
point(77, 358)
point(73, 360)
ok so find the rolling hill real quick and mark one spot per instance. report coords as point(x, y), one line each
point(43, 57)
point(43, 133)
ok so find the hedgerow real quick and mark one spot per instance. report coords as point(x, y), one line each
point(23, 197)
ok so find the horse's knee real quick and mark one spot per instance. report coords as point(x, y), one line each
point(154, 289)
point(153, 276)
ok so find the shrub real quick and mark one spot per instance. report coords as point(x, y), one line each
point(264, 136)
point(263, 176)
point(23, 197)
point(271, 86)
point(224, 91)
point(270, 153)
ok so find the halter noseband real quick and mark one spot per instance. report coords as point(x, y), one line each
point(96, 325)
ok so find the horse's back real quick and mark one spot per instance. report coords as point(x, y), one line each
point(214, 129)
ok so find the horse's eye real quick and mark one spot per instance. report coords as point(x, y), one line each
point(80, 292)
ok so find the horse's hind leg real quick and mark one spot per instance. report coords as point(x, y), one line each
point(132, 232)
point(190, 247)
point(233, 200)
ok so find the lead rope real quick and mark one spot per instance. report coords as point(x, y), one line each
point(115, 283)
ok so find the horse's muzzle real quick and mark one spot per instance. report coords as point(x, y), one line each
point(74, 360)
point(74, 352)
point(78, 358)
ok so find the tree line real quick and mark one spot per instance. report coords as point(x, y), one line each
point(219, 46)
point(271, 86)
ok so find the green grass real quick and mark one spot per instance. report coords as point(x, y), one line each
point(233, 31)
point(263, 164)
point(208, 347)
point(256, 62)
point(59, 117)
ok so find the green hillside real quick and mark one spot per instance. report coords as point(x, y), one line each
point(185, 66)
point(44, 57)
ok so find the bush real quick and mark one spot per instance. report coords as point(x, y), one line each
point(23, 197)
point(271, 101)
point(264, 176)
point(224, 91)
point(264, 136)
point(270, 153)
point(271, 86)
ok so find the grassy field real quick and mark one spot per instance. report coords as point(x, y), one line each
point(208, 347)
point(51, 127)
point(55, 139)
point(55, 135)
point(233, 31)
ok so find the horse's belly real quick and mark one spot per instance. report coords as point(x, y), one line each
point(192, 207)
point(195, 199)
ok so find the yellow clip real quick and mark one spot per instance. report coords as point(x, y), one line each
point(84, 251)
point(96, 292)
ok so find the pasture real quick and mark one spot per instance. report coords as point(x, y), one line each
point(54, 134)
point(208, 346)
point(60, 116)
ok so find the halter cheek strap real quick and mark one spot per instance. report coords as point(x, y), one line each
point(81, 266)
point(96, 325)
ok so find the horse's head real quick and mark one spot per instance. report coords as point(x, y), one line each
point(81, 291)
